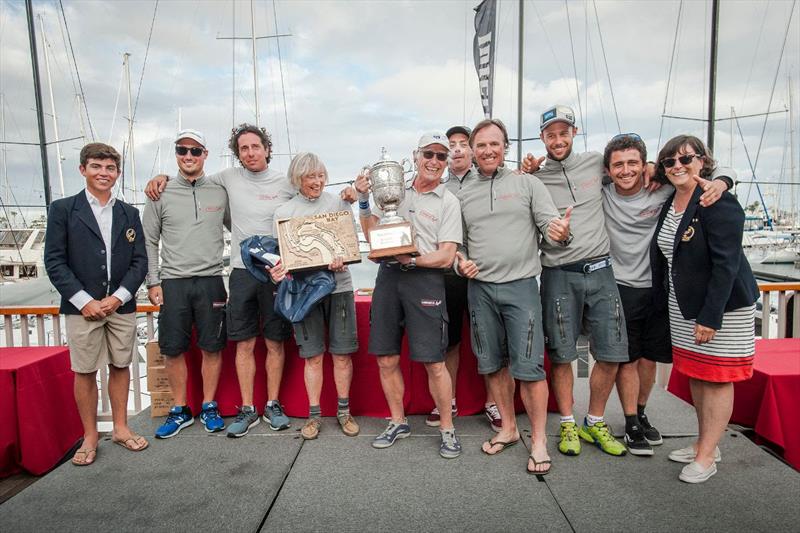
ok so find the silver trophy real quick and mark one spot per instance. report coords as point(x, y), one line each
point(393, 235)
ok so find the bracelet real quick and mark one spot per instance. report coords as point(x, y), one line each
point(363, 204)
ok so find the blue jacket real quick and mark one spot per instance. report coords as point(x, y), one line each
point(710, 273)
point(75, 255)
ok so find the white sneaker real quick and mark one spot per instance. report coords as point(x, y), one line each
point(687, 455)
point(694, 473)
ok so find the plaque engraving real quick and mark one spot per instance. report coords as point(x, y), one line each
point(312, 242)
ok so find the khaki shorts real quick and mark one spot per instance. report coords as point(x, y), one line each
point(94, 343)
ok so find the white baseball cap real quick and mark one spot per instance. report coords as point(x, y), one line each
point(434, 137)
point(191, 134)
point(558, 113)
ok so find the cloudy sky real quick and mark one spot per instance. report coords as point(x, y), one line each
point(361, 75)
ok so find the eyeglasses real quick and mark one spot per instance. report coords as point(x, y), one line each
point(669, 162)
point(634, 136)
point(428, 154)
point(183, 150)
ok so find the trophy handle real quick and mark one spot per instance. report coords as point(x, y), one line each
point(410, 165)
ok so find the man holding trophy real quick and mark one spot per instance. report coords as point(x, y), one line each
point(414, 234)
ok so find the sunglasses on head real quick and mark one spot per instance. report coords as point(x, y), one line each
point(634, 136)
point(428, 154)
point(183, 150)
point(669, 162)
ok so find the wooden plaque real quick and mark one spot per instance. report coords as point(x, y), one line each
point(388, 240)
point(313, 241)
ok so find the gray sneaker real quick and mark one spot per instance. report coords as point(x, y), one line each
point(246, 419)
point(450, 447)
point(275, 417)
point(392, 432)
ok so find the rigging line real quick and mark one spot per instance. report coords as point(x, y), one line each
point(755, 55)
point(575, 70)
point(144, 63)
point(71, 74)
point(77, 72)
point(116, 104)
point(775, 80)
point(280, 69)
point(608, 72)
point(464, 76)
point(753, 172)
point(550, 44)
point(669, 75)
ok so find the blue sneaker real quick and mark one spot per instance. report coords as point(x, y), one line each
point(392, 432)
point(210, 417)
point(178, 418)
point(246, 419)
point(274, 416)
point(450, 447)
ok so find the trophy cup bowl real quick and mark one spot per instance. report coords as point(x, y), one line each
point(393, 234)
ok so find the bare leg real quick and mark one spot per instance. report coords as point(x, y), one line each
point(176, 375)
point(562, 380)
point(697, 398)
point(600, 384)
point(211, 369)
point(628, 387)
point(647, 378)
point(717, 409)
point(502, 386)
point(441, 389)
point(85, 390)
point(489, 395)
point(274, 368)
point(534, 397)
point(451, 360)
point(119, 380)
point(393, 386)
point(246, 369)
point(342, 374)
point(312, 374)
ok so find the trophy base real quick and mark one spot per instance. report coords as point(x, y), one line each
point(387, 240)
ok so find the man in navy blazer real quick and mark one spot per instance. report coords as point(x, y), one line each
point(95, 257)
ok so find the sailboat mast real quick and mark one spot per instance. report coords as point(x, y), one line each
point(52, 107)
point(255, 60)
point(792, 191)
point(5, 150)
point(712, 78)
point(127, 64)
point(37, 93)
point(519, 79)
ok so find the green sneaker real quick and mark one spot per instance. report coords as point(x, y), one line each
point(600, 435)
point(570, 443)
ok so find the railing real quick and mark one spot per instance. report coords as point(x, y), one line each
point(38, 317)
point(787, 312)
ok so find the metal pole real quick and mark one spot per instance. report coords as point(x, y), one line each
point(712, 83)
point(233, 70)
point(519, 80)
point(52, 107)
point(5, 149)
point(37, 92)
point(255, 60)
point(792, 206)
point(126, 62)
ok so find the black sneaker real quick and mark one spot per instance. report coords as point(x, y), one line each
point(636, 442)
point(650, 433)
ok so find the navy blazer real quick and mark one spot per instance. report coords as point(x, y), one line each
point(710, 272)
point(75, 254)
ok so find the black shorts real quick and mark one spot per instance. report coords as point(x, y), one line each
point(647, 323)
point(198, 301)
point(251, 309)
point(412, 301)
point(455, 290)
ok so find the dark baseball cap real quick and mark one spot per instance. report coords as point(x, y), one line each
point(458, 129)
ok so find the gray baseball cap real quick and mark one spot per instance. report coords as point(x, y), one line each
point(558, 113)
point(433, 137)
point(191, 134)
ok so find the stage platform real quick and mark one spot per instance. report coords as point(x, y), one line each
point(275, 481)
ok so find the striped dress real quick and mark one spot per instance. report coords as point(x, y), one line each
point(729, 355)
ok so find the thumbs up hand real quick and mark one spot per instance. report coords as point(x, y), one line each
point(558, 230)
point(466, 267)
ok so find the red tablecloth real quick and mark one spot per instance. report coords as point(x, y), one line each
point(770, 401)
point(366, 394)
point(39, 420)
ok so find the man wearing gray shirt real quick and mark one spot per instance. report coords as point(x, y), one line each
point(254, 193)
point(188, 220)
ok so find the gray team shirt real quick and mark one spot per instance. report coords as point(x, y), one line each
point(300, 206)
point(576, 181)
point(253, 197)
point(454, 183)
point(188, 221)
point(505, 216)
point(435, 215)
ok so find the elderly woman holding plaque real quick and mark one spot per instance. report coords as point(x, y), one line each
point(409, 290)
point(335, 315)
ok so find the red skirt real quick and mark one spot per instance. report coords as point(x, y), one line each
point(712, 368)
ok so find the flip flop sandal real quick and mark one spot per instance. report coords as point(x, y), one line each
point(85, 454)
point(503, 445)
point(537, 463)
point(126, 443)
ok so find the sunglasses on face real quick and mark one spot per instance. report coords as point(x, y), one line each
point(633, 136)
point(428, 154)
point(183, 150)
point(669, 162)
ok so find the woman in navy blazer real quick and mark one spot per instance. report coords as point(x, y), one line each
point(696, 256)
